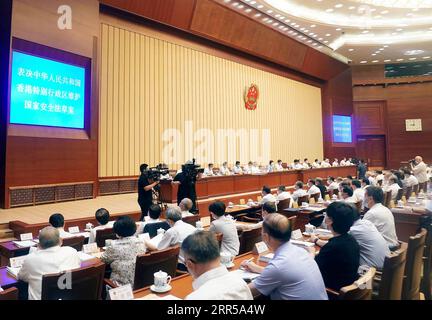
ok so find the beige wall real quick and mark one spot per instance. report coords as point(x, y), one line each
point(150, 83)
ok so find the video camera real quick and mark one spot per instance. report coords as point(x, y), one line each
point(191, 170)
point(412, 161)
point(154, 173)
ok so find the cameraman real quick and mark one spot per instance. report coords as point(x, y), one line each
point(145, 194)
point(187, 178)
point(419, 169)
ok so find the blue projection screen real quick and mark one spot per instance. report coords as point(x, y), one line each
point(342, 132)
point(46, 92)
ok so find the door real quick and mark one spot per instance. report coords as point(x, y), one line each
point(372, 149)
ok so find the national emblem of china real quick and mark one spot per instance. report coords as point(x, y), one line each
point(251, 97)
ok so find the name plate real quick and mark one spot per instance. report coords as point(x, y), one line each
point(296, 234)
point(260, 248)
point(90, 248)
point(121, 293)
point(17, 262)
point(74, 230)
point(26, 236)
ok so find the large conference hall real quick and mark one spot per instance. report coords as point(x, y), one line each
point(218, 150)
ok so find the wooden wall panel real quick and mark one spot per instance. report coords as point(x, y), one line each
point(167, 84)
point(36, 160)
point(404, 101)
point(370, 118)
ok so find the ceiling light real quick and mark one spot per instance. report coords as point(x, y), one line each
point(363, 61)
point(339, 5)
point(375, 61)
point(313, 26)
point(413, 52)
point(387, 60)
point(426, 57)
point(400, 60)
point(329, 10)
point(351, 49)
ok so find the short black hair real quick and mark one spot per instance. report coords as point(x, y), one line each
point(349, 177)
point(299, 184)
point(237, 162)
point(407, 171)
point(266, 189)
point(305, 159)
point(282, 188)
point(331, 178)
point(57, 220)
point(210, 164)
point(102, 216)
point(312, 180)
point(356, 183)
point(366, 181)
point(348, 191)
point(218, 208)
point(201, 247)
point(271, 161)
point(342, 215)
point(279, 160)
point(269, 207)
point(376, 193)
point(278, 227)
point(154, 211)
point(125, 227)
point(143, 167)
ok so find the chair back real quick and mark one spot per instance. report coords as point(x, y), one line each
point(192, 220)
point(81, 284)
point(408, 192)
point(413, 267)
point(427, 265)
point(148, 264)
point(283, 204)
point(152, 228)
point(248, 238)
point(360, 289)
point(399, 194)
point(390, 287)
point(9, 294)
point(316, 196)
point(251, 219)
point(300, 200)
point(74, 242)
point(104, 234)
point(415, 189)
point(387, 198)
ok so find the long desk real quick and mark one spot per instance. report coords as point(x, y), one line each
point(218, 186)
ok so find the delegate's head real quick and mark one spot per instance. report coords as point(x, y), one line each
point(276, 230)
point(201, 252)
point(250, 163)
point(210, 165)
point(49, 237)
point(237, 163)
point(296, 161)
point(217, 209)
point(347, 192)
point(374, 195)
point(418, 159)
point(124, 227)
point(305, 160)
point(279, 162)
point(268, 208)
point(330, 180)
point(266, 190)
point(143, 167)
point(57, 220)
point(356, 184)
point(186, 204)
point(281, 189)
point(365, 182)
point(173, 214)
point(102, 216)
point(319, 182)
point(298, 185)
point(340, 217)
point(316, 160)
point(154, 211)
point(406, 172)
point(225, 164)
point(311, 182)
point(393, 179)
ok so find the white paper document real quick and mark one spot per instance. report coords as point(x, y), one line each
point(25, 243)
point(246, 275)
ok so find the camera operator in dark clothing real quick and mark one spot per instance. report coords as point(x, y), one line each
point(145, 187)
point(187, 179)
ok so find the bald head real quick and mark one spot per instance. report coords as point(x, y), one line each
point(418, 159)
point(278, 227)
point(49, 237)
point(186, 204)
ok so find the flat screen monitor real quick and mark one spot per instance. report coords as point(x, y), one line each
point(46, 92)
point(342, 129)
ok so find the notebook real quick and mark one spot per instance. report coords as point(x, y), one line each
point(25, 243)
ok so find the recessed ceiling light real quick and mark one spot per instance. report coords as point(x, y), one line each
point(339, 5)
point(375, 61)
point(400, 59)
point(351, 49)
point(412, 59)
point(387, 60)
point(373, 54)
point(248, 10)
point(413, 52)
point(329, 10)
point(328, 35)
point(426, 57)
point(384, 12)
point(363, 61)
point(338, 29)
point(313, 26)
point(351, 8)
point(365, 31)
point(269, 11)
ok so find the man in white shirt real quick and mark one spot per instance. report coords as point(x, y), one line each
point(393, 187)
point(208, 172)
point(279, 166)
point(57, 221)
point(226, 226)
point(271, 167)
point(316, 164)
point(102, 217)
point(299, 192)
point(371, 177)
point(313, 189)
point(380, 216)
point(358, 191)
point(332, 184)
point(176, 234)
point(248, 168)
point(50, 258)
point(282, 194)
point(267, 195)
point(224, 170)
point(212, 281)
point(410, 180)
point(185, 207)
point(349, 162)
point(237, 169)
point(379, 176)
point(306, 164)
point(255, 168)
point(419, 169)
point(154, 214)
point(296, 165)
point(343, 162)
point(335, 163)
point(325, 163)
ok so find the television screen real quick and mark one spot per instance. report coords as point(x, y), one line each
point(342, 132)
point(45, 92)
